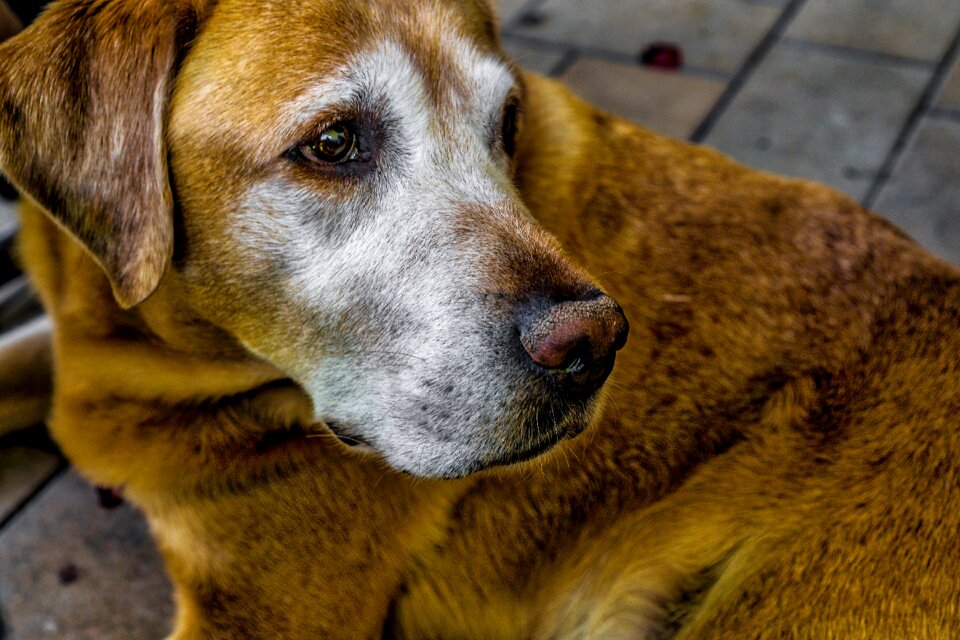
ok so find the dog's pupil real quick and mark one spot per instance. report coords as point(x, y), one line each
point(334, 142)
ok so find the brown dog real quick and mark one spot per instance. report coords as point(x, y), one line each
point(261, 223)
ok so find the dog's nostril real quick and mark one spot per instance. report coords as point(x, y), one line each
point(576, 362)
point(593, 294)
point(575, 341)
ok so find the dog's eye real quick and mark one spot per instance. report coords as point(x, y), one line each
point(508, 135)
point(334, 145)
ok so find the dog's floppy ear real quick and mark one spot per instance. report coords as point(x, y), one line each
point(83, 96)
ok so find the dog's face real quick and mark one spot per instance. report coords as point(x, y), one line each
point(342, 205)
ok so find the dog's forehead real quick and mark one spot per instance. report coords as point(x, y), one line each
point(255, 62)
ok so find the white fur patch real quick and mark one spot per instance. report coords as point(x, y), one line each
point(395, 344)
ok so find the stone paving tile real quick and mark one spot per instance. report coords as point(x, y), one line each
point(537, 59)
point(669, 103)
point(950, 95)
point(919, 29)
point(18, 305)
point(714, 35)
point(22, 470)
point(812, 115)
point(923, 195)
point(70, 570)
point(8, 220)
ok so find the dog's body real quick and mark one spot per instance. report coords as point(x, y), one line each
point(775, 456)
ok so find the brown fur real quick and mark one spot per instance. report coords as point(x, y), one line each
point(777, 455)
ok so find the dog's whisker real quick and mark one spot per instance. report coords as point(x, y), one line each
point(372, 352)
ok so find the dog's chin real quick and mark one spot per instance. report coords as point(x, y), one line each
point(445, 459)
point(509, 458)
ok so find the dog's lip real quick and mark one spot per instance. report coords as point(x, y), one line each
point(531, 452)
point(566, 432)
point(354, 442)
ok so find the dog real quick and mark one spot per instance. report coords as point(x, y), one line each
point(318, 274)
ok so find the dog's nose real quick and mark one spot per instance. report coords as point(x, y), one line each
point(575, 341)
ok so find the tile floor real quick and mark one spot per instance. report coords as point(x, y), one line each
point(863, 95)
point(860, 94)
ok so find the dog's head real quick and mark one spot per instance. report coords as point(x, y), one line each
point(330, 183)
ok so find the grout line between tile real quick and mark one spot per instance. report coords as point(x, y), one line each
point(528, 8)
point(944, 113)
point(571, 56)
point(23, 504)
point(746, 71)
point(611, 56)
point(912, 123)
point(864, 55)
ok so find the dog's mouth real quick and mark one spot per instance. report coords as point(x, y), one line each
point(569, 426)
point(352, 441)
point(528, 454)
point(534, 437)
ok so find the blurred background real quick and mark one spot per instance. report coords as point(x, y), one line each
point(863, 95)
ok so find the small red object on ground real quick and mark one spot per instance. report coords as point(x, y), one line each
point(662, 55)
point(109, 498)
point(68, 573)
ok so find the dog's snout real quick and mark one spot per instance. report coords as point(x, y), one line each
point(575, 341)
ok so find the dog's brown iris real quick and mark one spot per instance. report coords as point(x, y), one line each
point(334, 144)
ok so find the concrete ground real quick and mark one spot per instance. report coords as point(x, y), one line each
point(860, 94)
